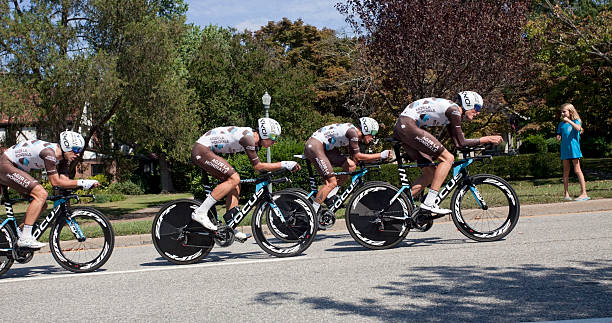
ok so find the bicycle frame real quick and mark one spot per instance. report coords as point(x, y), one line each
point(460, 174)
point(60, 205)
point(356, 181)
point(261, 193)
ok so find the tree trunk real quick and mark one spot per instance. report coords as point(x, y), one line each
point(166, 177)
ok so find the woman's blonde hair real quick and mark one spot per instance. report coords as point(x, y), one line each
point(573, 114)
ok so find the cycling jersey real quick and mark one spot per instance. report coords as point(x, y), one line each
point(229, 140)
point(17, 161)
point(338, 135)
point(438, 112)
point(34, 154)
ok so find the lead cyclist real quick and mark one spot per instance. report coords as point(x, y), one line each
point(422, 147)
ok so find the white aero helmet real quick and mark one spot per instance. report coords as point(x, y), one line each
point(71, 141)
point(368, 126)
point(470, 100)
point(269, 128)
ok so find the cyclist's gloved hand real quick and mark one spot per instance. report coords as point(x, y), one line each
point(87, 183)
point(386, 154)
point(290, 165)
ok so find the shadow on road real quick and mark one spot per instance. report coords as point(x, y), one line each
point(449, 294)
point(214, 256)
point(24, 272)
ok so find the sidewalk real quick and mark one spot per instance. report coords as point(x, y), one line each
point(526, 211)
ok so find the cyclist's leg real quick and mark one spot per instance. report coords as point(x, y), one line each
point(347, 164)
point(416, 139)
point(220, 169)
point(25, 184)
point(315, 153)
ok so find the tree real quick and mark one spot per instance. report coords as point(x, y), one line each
point(106, 68)
point(576, 64)
point(230, 72)
point(436, 48)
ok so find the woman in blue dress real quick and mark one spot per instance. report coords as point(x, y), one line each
point(568, 132)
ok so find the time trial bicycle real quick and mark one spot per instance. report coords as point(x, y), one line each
point(484, 207)
point(181, 240)
point(81, 238)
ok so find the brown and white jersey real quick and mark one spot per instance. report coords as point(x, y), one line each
point(230, 140)
point(35, 154)
point(338, 135)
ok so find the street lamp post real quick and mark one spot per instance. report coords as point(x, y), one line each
point(266, 99)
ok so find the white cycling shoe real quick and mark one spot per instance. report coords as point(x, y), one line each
point(30, 242)
point(241, 236)
point(435, 209)
point(204, 220)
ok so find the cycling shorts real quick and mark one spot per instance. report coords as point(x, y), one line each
point(323, 160)
point(15, 178)
point(214, 165)
point(420, 145)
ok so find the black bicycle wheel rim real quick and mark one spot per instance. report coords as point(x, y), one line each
point(490, 224)
point(173, 220)
point(7, 240)
point(300, 231)
point(87, 255)
point(361, 218)
point(297, 222)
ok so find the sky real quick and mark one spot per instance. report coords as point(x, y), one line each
point(252, 14)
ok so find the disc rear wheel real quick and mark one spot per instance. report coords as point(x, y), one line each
point(177, 237)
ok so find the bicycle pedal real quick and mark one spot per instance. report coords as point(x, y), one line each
point(248, 235)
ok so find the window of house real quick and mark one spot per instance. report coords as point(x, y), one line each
point(97, 169)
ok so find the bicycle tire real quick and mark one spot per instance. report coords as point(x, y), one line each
point(7, 241)
point(168, 228)
point(82, 256)
point(282, 197)
point(495, 221)
point(301, 229)
point(360, 216)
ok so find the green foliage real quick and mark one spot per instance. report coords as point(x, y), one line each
point(127, 188)
point(102, 179)
point(596, 147)
point(553, 145)
point(533, 144)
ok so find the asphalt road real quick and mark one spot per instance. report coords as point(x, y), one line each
point(549, 268)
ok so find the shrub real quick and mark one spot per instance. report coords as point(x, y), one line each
point(533, 144)
point(126, 187)
point(553, 145)
point(596, 147)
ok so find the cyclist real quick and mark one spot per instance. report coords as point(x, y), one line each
point(18, 160)
point(321, 150)
point(423, 147)
point(229, 140)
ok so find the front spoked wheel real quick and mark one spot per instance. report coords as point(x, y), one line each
point(177, 237)
point(83, 240)
point(485, 208)
point(377, 217)
point(296, 220)
point(285, 227)
point(7, 240)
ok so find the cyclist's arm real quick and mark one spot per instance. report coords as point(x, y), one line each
point(248, 142)
point(356, 154)
point(62, 181)
point(454, 129)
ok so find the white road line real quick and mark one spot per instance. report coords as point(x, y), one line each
point(165, 268)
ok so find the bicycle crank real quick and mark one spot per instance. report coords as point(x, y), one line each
point(224, 236)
